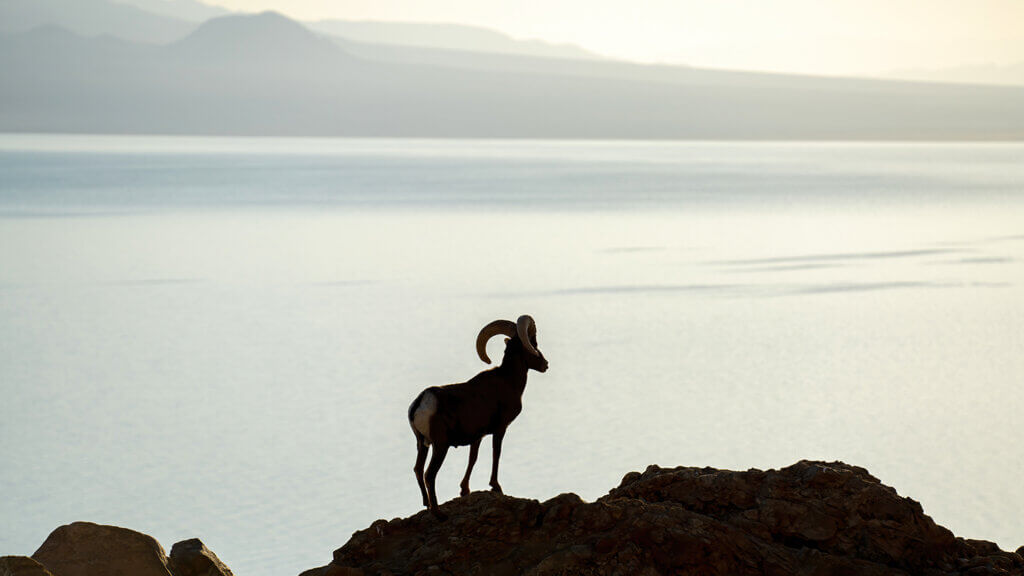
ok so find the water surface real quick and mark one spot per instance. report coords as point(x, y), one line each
point(219, 337)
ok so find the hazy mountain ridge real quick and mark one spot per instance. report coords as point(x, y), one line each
point(608, 69)
point(166, 21)
point(268, 75)
point(446, 37)
point(191, 10)
point(1006, 75)
point(455, 45)
point(267, 35)
point(92, 18)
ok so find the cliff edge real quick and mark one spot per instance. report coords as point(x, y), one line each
point(811, 518)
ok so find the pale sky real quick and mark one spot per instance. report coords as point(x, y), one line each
point(834, 37)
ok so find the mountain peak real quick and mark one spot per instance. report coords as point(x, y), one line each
point(263, 35)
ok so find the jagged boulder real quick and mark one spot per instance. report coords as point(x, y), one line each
point(21, 566)
point(193, 558)
point(87, 549)
point(812, 518)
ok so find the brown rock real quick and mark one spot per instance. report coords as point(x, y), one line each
point(334, 570)
point(21, 566)
point(87, 549)
point(193, 558)
point(811, 519)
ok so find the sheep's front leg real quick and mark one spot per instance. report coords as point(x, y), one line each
point(473, 448)
point(498, 437)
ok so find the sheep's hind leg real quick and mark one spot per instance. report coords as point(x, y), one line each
point(421, 458)
point(473, 448)
point(436, 459)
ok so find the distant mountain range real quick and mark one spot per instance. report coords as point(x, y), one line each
point(191, 10)
point(92, 18)
point(446, 36)
point(70, 70)
point(992, 74)
point(163, 21)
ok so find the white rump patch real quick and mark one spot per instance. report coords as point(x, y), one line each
point(421, 418)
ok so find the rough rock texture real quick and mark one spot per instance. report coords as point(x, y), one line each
point(21, 566)
point(193, 558)
point(87, 549)
point(812, 518)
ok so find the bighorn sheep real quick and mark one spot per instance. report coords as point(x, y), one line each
point(462, 414)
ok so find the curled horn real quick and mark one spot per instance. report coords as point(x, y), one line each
point(505, 327)
point(527, 330)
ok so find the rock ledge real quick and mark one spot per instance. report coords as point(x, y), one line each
point(811, 518)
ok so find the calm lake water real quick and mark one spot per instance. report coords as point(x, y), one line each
point(219, 338)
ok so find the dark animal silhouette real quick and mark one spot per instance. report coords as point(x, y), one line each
point(462, 414)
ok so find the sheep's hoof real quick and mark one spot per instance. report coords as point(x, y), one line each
point(464, 492)
point(441, 516)
point(496, 488)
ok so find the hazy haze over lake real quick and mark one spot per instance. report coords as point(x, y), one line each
point(220, 337)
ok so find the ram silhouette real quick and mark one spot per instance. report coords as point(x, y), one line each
point(462, 414)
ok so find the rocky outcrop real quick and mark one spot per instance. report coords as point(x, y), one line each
point(87, 549)
point(812, 518)
point(193, 558)
point(21, 566)
point(809, 519)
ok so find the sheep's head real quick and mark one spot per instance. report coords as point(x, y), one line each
point(521, 333)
